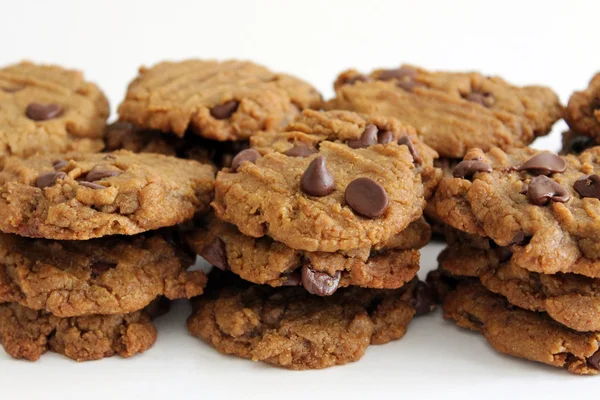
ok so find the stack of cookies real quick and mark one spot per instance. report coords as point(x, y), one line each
point(522, 264)
point(83, 258)
point(318, 227)
point(583, 117)
point(452, 111)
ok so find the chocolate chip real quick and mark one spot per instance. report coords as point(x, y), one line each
point(406, 141)
point(158, 307)
point(423, 299)
point(293, 279)
point(578, 144)
point(366, 197)
point(467, 168)
point(398, 73)
point(543, 164)
point(100, 267)
point(225, 110)
point(385, 137)
point(484, 99)
point(43, 112)
point(215, 253)
point(300, 150)
point(319, 283)
point(91, 185)
point(588, 186)
point(409, 84)
point(594, 360)
point(368, 138)
point(60, 164)
point(542, 189)
point(356, 78)
point(249, 155)
point(503, 253)
point(99, 172)
point(474, 320)
point(48, 179)
point(12, 89)
point(317, 180)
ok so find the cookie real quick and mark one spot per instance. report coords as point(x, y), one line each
point(230, 100)
point(84, 196)
point(574, 143)
point(306, 133)
point(48, 109)
point(126, 136)
point(290, 328)
point(520, 333)
point(265, 261)
point(452, 111)
point(113, 275)
point(544, 208)
point(27, 334)
point(583, 110)
point(338, 198)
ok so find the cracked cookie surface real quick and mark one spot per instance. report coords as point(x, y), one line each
point(84, 196)
point(541, 206)
point(229, 100)
point(48, 109)
point(27, 334)
point(289, 328)
point(114, 275)
point(520, 333)
point(452, 111)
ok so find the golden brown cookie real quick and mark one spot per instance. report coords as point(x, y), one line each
point(524, 334)
point(583, 110)
point(452, 111)
point(229, 100)
point(27, 334)
point(48, 109)
point(83, 196)
point(290, 328)
point(544, 208)
point(113, 275)
point(265, 261)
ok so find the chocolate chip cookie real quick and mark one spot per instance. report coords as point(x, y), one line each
point(340, 197)
point(520, 333)
point(27, 334)
point(230, 100)
point(265, 261)
point(583, 110)
point(544, 208)
point(83, 196)
point(48, 109)
point(290, 328)
point(113, 275)
point(452, 111)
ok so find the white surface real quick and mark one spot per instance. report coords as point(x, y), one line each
point(549, 42)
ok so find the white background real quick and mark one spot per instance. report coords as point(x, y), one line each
point(548, 42)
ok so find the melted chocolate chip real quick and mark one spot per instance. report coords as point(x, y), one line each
point(293, 279)
point(484, 99)
point(366, 197)
point(542, 189)
point(215, 253)
point(91, 185)
point(60, 164)
point(300, 150)
point(594, 360)
point(543, 164)
point(319, 283)
point(385, 137)
point(398, 73)
point(423, 299)
point(588, 186)
point(467, 168)
point(249, 155)
point(317, 180)
point(100, 267)
point(225, 110)
point(43, 112)
point(578, 144)
point(356, 78)
point(48, 179)
point(12, 89)
point(409, 84)
point(99, 172)
point(503, 253)
point(406, 141)
point(368, 138)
